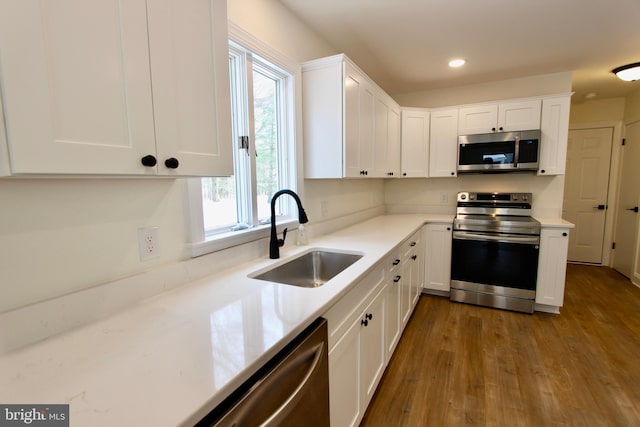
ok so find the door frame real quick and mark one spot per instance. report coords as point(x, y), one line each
point(614, 179)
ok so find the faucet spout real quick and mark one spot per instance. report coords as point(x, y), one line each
point(274, 243)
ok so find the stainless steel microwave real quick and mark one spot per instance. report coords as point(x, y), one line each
point(499, 152)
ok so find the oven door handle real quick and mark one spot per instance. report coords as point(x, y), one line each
point(525, 240)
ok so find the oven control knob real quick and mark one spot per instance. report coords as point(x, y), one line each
point(525, 197)
point(463, 197)
point(472, 196)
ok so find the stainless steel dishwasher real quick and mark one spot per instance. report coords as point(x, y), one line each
point(292, 389)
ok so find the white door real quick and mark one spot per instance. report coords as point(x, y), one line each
point(626, 234)
point(586, 188)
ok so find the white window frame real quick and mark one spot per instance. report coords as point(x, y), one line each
point(202, 244)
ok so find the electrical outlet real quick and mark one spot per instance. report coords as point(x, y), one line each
point(324, 209)
point(444, 198)
point(148, 244)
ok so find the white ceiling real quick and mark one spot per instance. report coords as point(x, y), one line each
point(405, 45)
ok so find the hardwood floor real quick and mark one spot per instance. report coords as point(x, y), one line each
point(459, 364)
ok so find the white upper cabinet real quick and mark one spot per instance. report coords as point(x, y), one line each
point(554, 135)
point(499, 117)
point(443, 143)
point(351, 127)
point(95, 87)
point(190, 76)
point(415, 143)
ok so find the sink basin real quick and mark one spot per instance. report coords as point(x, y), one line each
point(309, 270)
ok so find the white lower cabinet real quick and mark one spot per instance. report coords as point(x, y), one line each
point(364, 328)
point(437, 257)
point(344, 379)
point(552, 267)
point(356, 364)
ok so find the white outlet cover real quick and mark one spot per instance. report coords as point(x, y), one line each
point(148, 243)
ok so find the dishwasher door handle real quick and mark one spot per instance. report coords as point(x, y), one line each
point(281, 413)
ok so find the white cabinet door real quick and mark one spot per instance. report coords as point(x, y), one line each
point(417, 267)
point(499, 117)
point(381, 139)
point(552, 266)
point(190, 74)
point(392, 306)
point(519, 115)
point(393, 141)
point(344, 379)
point(554, 135)
point(443, 140)
point(372, 348)
point(359, 104)
point(77, 89)
point(415, 143)
point(438, 257)
point(478, 119)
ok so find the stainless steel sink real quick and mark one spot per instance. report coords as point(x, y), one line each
point(309, 270)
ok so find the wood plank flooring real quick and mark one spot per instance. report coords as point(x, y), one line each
point(462, 365)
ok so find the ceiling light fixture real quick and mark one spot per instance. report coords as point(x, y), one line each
point(628, 73)
point(455, 63)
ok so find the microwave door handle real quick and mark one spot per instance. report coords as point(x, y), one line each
point(516, 155)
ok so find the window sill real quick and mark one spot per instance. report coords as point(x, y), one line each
point(236, 238)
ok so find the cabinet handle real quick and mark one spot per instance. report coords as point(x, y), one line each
point(368, 316)
point(634, 209)
point(501, 128)
point(565, 234)
point(396, 262)
point(493, 129)
point(543, 171)
point(404, 174)
point(149, 161)
point(412, 244)
point(397, 279)
point(390, 173)
point(172, 163)
point(415, 257)
point(448, 228)
point(364, 322)
point(453, 173)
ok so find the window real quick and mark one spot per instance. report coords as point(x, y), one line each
point(233, 210)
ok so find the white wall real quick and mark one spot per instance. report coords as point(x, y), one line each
point(597, 111)
point(544, 84)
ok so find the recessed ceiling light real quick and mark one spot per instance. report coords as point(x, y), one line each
point(591, 95)
point(455, 63)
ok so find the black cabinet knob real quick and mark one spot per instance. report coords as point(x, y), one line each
point(453, 173)
point(149, 161)
point(500, 127)
point(448, 228)
point(565, 234)
point(542, 171)
point(364, 322)
point(397, 279)
point(396, 262)
point(368, 316)
point(172, 163)
point(404, 174)
point(493, 129)
point(414, 257)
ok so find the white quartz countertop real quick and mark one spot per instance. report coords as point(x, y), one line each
point(168, 360)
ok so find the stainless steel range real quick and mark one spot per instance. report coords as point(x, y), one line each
point(495, 251)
